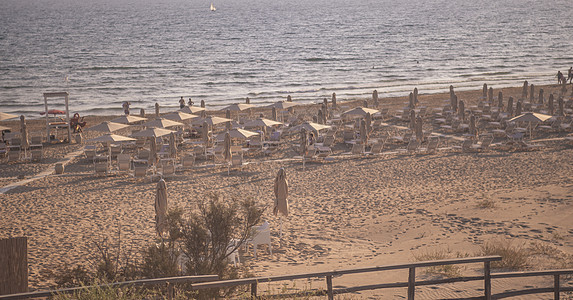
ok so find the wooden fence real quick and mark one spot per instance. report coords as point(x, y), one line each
point(411, 284)
point(13, 265)
point(169, 282)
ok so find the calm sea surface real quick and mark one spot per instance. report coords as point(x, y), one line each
point(105, 52)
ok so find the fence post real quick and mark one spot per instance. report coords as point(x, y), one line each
point(329, 287)
point(13, 265)
point(254, 290)
point(556, 288)
point(170, 291)
point(411, 283)
point(487, 279)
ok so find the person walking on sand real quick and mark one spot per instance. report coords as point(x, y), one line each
point(570, 75)
point(125, 106)
point(559, 77)
point(181, 102)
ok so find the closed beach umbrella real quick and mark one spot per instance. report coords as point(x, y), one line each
point(303, 141)
point(462, 111)
point(281, 193)
point(452, 93)
point(156, 109)
point(561, 111)
point(531, 92)
point(319, 117)
point(375, 98)
point(412, 119)
point(411, 103)
point(518, 108)
point(152, 151)
point(472, 125)
point(368, 120)
point(500, 99)
point(524, 90)
point(205, 134)
point(550, 104)
point(172, 145)
point(490, 96)
point(325, 104)
point(24, 132)
point(162, 123)
point(363, 133)
point(247, 100)
point(161, 208)
point(541, 96)
point(510, 107)
point(289, 98)
point(203, 103)
point(274, 114)
point(152, 132)
point(334, 100)
point(419, 131)
point(484, 91)
point(108, 127)
point(227, 147)
point(6, 116)
point(415, 96)
point(128, 119)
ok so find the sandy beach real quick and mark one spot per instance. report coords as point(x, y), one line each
point(347, 211)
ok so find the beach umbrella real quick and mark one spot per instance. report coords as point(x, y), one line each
point(152, 151)
point(211, 121)
point(416, 96)
point(203, 103)
point(359, 111)
point(128, 119)
point(411, 103)
point(179, 116)
point(161, 208)
point(550, 104)
point(319, 118)
point(462, 111)
point(455, 103)
point(452, 93)
point(141, 113)
point(205, 135)
point(152, 132)
point(283, 104)
point(237, 133)
point(541, 96)
point(262, 122)
point(310, 126)
point(238, 107)
point(490, 96)
point(530, 118)
point(2, 128)
point(156, 109)
point(510, 107)
point(227, 155)
point(108, 127)
point(363, 133)
point(289, 98)
point(162, 123)
point(192, 109)
point(324, 113)
point(281, 195)
point(334, 100)
point(472, 125)
point(500, 99)
point(110, 138)
point(518, 108)
point(6, 116)
point(560, 104)
point(368, 120)
point(524, 90)
point(274, 114)
point(24, 133)
point(419, 131)
point(172, 145)
point(412, 119)
point(375, 98)
point(484, 91)
point(532, 92)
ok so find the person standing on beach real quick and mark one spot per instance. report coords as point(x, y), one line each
point(570, 75)
point(190, 102)
point(559, 77)
point(181, 102)
point(125, 106)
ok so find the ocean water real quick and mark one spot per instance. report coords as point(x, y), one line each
point(105, 52)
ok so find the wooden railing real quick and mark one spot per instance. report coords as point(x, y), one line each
point(169, 282)
point(330, 291)
point(411, 284)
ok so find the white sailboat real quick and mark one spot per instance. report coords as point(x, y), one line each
point(213, 7)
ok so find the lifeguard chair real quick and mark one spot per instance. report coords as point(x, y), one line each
point(65, 125)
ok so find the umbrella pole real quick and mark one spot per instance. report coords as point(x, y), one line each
point(280, 227)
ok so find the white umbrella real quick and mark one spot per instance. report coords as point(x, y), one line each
point(6, 116)
point(359, 111)
point(210, 120)
point(192, 109)
point(179, 116)
point(281, 194)
point(283, 105)
point(128, 119)
point(161, 208)
point(107, 126)
point(110, 138)
point(162, 123)
point(260, 122)
point(238, 107)
point(310, 126)
point(152, 132)
point(237, 133)
point(530, 117)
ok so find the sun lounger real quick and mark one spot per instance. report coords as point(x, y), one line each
point(101, 168)
point(262, 235)
point(124, 162)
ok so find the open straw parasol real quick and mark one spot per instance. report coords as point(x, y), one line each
point(6, 116)
point(530, 117)
point(128, 119)
point(108, 127)
point(162, 123)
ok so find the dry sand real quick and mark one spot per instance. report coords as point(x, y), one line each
point(348, 212)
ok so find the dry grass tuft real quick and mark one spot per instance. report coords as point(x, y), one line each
point(439, 254)
point(514, 255)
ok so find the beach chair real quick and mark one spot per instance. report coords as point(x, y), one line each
point(357, 149)
point(115, 150)
point(140, 171)
point(262, 235)
point(3, 149)
point(101, 168)
point(167, 169)
point(14, 154)
point(412, 146)
point(432, 146)
point(124, 162)
point(237, 160)
point(466, 146)
point(36, 142)
point(375, 149)
point(484, 144)
point(187, 161)
point(37, 154)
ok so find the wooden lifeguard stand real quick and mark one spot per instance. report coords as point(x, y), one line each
point(57, 126)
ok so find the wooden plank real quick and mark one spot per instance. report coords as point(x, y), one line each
point(329, 287)
point(411, 283)
point(532, 273)
point(556, 287)
point(487, 280)
point(14, 262)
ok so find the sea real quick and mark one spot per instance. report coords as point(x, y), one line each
point(105, 52)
